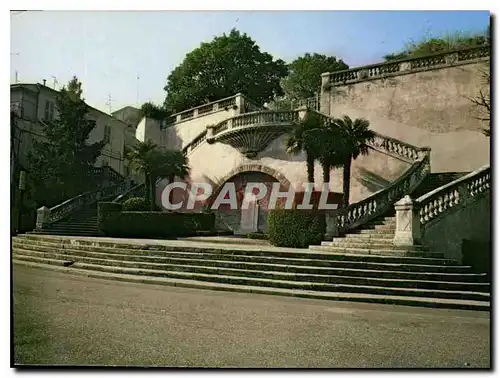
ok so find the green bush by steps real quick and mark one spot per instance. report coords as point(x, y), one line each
point(138, 204)
point(295, 228)
point(151, 224)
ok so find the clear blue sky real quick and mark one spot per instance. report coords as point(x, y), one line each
point(107, 50)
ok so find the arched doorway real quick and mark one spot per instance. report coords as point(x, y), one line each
point(254, 218)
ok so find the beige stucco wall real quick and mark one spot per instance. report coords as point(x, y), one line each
point(471, 222)
point(430, 108)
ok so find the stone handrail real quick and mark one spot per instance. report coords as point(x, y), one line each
point(395, 147)
point(135, 191)
point(255, 118)
point(46, 216)
point(199, 139)
point(202, 110)
point(437, 202)
point(382, 201)
point(407, 65)
point(414, 216)
point(287, 104)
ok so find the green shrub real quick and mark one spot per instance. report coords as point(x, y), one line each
point(105, 210)
point(295, 228)
point(150, 224)
point(136, 204)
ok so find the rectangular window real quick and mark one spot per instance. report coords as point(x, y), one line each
point(49, 111)
point(107, 134)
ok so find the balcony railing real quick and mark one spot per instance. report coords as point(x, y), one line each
point(391, 68)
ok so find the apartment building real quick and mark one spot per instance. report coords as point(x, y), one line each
point(35, 104)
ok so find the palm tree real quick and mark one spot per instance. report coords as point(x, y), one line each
point(354, 135)
point(166, 164)
point(137, 157)
point(147, 159)
point(300, 140)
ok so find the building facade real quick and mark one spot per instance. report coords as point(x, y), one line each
point(35, 104)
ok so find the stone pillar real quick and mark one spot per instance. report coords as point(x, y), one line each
point(42, 217)
point(332, 229)
point(407, 223)
point(405, 66)
point(324, 102)
point(240, 103)
point(302, 113)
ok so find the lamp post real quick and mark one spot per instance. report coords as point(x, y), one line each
point(22, 187)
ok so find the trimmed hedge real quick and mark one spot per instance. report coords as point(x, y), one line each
point(105, 210)
point(295, 228)
point(151, 224)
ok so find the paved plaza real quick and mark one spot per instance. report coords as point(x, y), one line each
point(64, 319)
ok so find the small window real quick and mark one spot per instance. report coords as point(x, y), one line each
point(105, 163)
point(107, 134)
point(49, 111)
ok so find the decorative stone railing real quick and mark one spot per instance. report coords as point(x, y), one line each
point(380, 202)
point(201, 138)
point(408, 65)
point(46, 216)
point(413, 216)
point(135, 191)
point(395, 147)
point(260, 118)
point(205, 109)
point(288, 104)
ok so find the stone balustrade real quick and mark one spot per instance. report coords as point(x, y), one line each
point(46, 216)
point(393, 68)
point(414, 215)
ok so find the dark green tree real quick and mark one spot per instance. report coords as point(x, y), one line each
point(229, 64)
point(304, 78)
point(60, 162)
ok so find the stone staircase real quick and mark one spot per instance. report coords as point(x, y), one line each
point(80, 223)
point(406, 277)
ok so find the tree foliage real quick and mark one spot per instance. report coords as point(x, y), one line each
point(147, 159)
point(150, 110)
point(431, 45)
point(304, 78)
point(60, 162)
point(227, 65)
point(354, 136)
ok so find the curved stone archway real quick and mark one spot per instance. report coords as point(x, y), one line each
point(256, 168)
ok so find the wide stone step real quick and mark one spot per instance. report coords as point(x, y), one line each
point(161, 262)
point(389, 245)
point(289, 284)
point(379, 227)
point(373, 231)
point(375, 251)
point(236, 250)
point(336, 296)
point(150, 255)
point(65, 232)
point(367, 236)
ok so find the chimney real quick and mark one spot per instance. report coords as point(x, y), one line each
point(44, 81)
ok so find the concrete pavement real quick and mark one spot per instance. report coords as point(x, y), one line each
point(64, 319)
